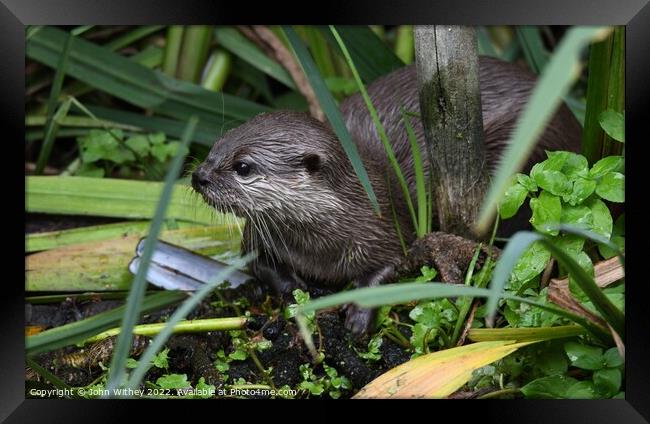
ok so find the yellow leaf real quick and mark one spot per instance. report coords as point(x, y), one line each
point(437, 374)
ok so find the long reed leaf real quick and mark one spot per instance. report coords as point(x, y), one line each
point(138, 85)
point(331, 110)
point(172, 49)
point(194, 52)
point(605, 90)
point(233, 41)
point(420, 183)
point(134, 301)
point(132, 36)
point(524, 334)
point(217, 70)
point(320, 50)
point(189, 326)
point(190, 304)
point(370, 54)
point(205, 134)
point(393, 294)
point(111, 197)
point(405, 44)
point(51, 125)
point(533, 46)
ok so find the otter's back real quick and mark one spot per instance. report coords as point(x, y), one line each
point(505, 89)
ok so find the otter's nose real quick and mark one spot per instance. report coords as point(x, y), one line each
point(199, 178)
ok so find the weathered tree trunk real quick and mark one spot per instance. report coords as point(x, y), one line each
point(450, 104)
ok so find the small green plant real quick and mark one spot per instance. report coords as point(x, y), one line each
point(330, 383)
point(564, 190)
point(556, 369)
point(613, 123)
point(374, 345)
point(242, 348)
point(104, 152)
point(301, 299)
point(173, 381)
point(161, 360)
point(601, 372)
point(434, 323)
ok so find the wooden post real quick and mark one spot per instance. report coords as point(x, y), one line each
point(450, 104)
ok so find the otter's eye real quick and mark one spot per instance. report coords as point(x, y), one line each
point(242, 168)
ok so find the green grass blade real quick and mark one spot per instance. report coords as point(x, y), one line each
point(555, 81)
point(392, 294)
point(398, 229)
point(217, 70)
point(485, 46)
point(524, 334)
point(380, 128)
point(517, 244)
point(172, 49)
point(465, 303)
point(138, 85)
point(233, 40)
point(32, 135)
point(194, 52)
point(185, 308)
point(481, 283)
point(51, 125)
point(420, 184)
point(77, 121)
point(405, 44)
point(257, 80)
point(370, 54)
point(133, 36)
point(31, 30)
point(320, 50)
point(205, 134)
point(81, 29)
point(189, 326)
point(150, 57)
point(605, 90)
point(111, 197)
point(134, 301)
point(78, 331)
point(331, 110)
point(616, 89)
point(49, 376)
point(533, 46)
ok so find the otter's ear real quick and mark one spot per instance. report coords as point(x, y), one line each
point(312, 161)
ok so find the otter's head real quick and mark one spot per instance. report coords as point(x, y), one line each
point(280, 164)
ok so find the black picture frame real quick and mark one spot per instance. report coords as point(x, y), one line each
point(635, 14)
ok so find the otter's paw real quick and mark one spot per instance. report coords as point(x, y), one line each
point(360, 321)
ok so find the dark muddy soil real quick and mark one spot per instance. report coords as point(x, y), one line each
point(195, 354)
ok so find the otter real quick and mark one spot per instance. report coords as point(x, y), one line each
point(307, 215)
